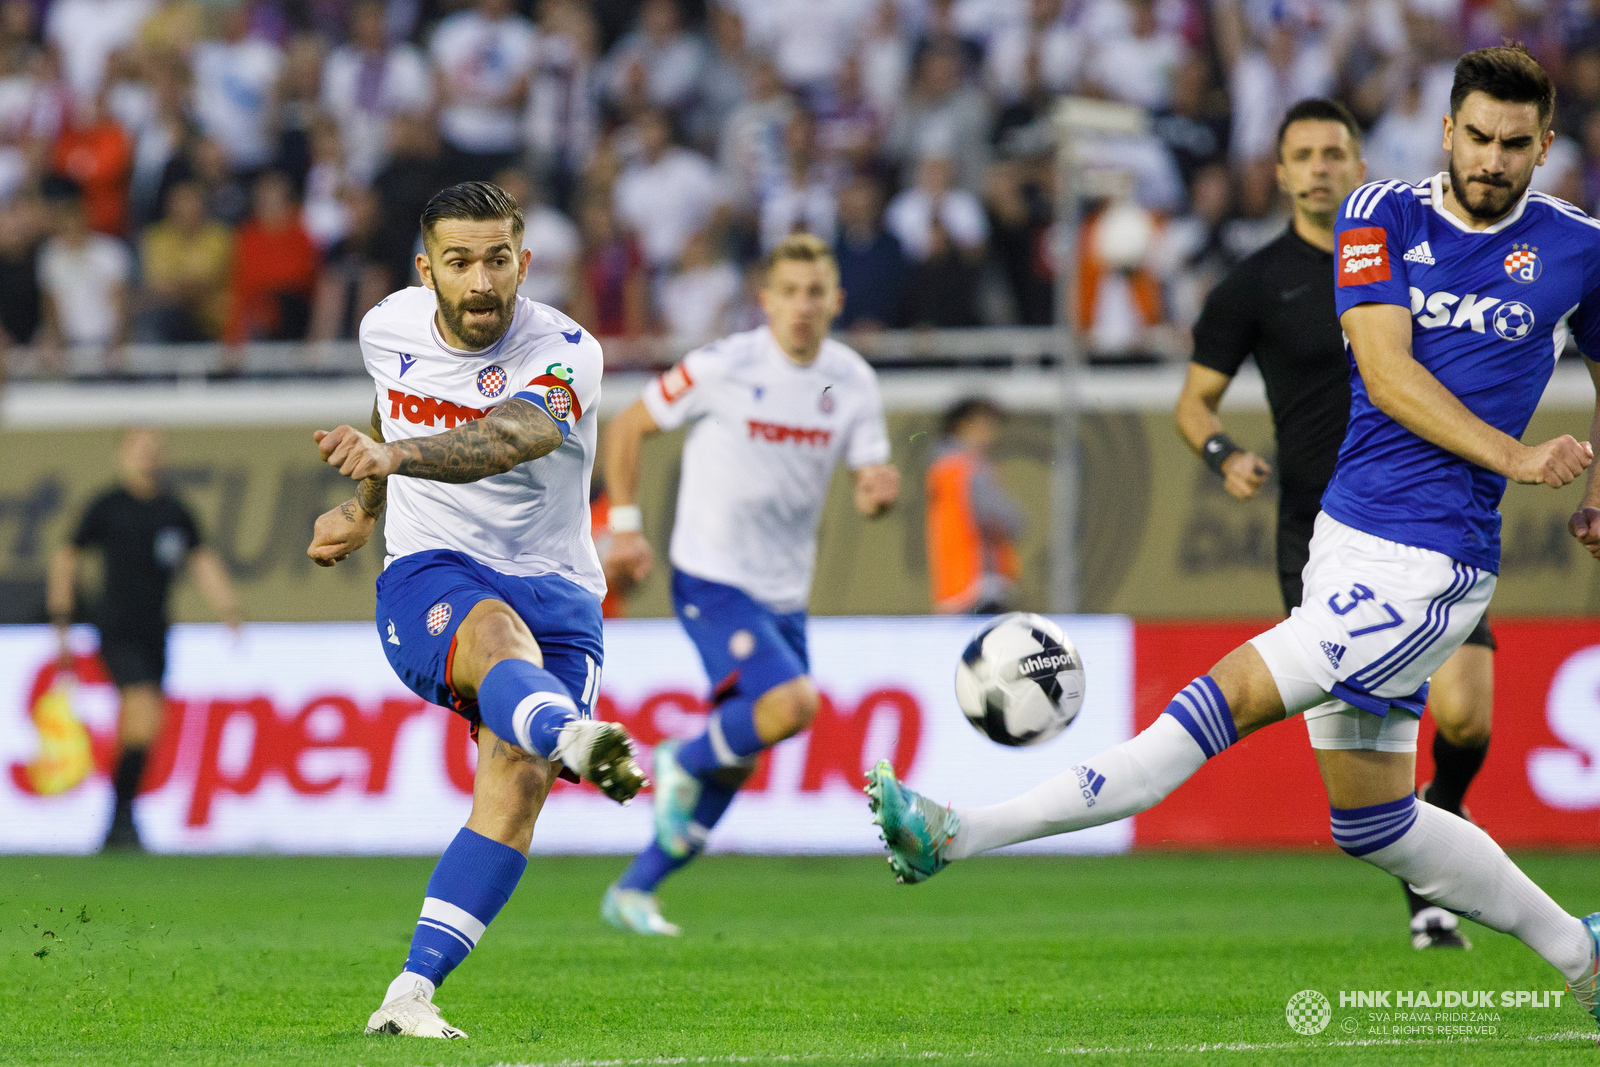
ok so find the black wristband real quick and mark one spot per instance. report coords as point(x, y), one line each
point(1217, 449)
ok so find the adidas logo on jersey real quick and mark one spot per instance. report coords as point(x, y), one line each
point(1420, 254)
point(1334, 652)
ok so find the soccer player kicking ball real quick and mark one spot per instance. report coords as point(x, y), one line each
point(773, 411)
point(490, 600)
point(1279, 306)
point(1451, 352)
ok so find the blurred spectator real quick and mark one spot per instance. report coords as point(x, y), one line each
point(85, 33)
point(722, 79)
point(669, 194)
point(96, 153)
point(21, 226)
point(1119, 299)
point(1562, 173)
point(665, 58)
point(871, 266)
point(1406, 142)
point(913, 212)
point(1580, 96)
point(750, 152)
point(1195, 129)
point(885, 60)
point(482, 59)
point(353, 279)
point(205, 161)
point(849, 129)
point(1044, 50)
point(185, 260)
point(563, 99)
point(696, 299)
point(805, 199)
point(296, 109)
point(943, 116)
point(1138, 67)
point(1268, 79)
point(807, 38)
point(158, 142)
point(1019, 227)
point(610, 295)
point(83, 277)
point(414, 173)
point(366, 82)
point(235, 81)
point(941, 288)
point(972, 522)
point(173, 28)
point(550, 238)
point(274, 268)
point(33, 105)
point(1196, 251)
point(324, 211)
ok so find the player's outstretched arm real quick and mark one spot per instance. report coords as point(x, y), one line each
point(1585, 522)
point(629, 553)
point(1403, 389)
point(1243, 472)
point(514, 432)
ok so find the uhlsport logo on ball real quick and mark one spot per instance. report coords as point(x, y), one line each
point(1513, 320)
point(1308, 1012)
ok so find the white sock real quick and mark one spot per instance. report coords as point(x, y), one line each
point(1454, 864)
point(1121, 781)
point(405, 983)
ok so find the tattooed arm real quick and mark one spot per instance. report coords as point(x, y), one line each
point(373, 493)
point(513, 433)
point(347, 527)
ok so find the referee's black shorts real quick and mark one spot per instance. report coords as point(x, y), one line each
point(135, 659)
point(1294, 552)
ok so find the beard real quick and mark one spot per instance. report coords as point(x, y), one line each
point(477, 334)
point(1487, 199)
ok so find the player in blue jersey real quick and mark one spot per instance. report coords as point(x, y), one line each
point(1456, 295)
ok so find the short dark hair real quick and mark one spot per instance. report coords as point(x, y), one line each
point(472, 202)
point(970, 407)
point(1508, 73)
point(1319, 109)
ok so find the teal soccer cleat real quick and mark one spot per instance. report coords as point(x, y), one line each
point(677, 792)
point(636, 911)
point(916, 830)
point(1584, 991)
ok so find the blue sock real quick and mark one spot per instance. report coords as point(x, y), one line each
point(525, 705)
point(1203, 711)
point(729, 739)
point(472, 882)
point(651, 867)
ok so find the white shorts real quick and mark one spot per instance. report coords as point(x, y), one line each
point(1378, 618)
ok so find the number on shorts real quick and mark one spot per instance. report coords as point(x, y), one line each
point(1359, 594)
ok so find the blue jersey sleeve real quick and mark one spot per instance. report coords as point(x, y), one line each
point(1369, 243)
point(1585, 321)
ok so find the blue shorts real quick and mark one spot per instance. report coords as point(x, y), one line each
point(747, 648)
point(423, 597)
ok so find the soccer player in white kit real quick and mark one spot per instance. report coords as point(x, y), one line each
point(489, 602)
point(1456, 296)
point(772, 412)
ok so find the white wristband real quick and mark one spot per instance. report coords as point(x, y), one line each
point(625, 518)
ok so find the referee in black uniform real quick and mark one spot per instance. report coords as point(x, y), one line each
point(146, 536)
point(1278, 306)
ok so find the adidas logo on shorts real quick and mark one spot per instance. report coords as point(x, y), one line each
point(1420, 254)
point(1334, 652)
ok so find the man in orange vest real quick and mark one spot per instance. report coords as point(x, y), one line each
point(972, 524)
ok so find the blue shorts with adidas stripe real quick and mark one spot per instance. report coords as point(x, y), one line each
point(422, 598)
point(1377, 619)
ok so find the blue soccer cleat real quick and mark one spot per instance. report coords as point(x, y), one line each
point(677, 793)
point(636, 911)
point(916, 830)
point(1585, 989)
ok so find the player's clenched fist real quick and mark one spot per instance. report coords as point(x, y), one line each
point(1554, 463)
point(340, 532)
point(877, 487)
point(356, 455)
point(1243, 473)
point(1585, 526)
point(628, 561)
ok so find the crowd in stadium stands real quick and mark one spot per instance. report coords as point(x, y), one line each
point(190, 170)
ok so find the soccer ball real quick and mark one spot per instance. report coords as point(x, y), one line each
point(1020, 681)
point(1512, 320)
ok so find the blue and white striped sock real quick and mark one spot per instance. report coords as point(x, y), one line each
point(525, 705)
point(1362, 830)
point(1204, 712)
point(472, 882)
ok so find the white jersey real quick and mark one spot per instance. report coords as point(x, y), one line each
point(767, 434)
point(533, 519)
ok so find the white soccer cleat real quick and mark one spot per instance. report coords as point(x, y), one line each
point(636, 911)
point(412, 1014)
point(601, 753)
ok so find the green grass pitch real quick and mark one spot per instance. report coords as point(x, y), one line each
point(1148, 959)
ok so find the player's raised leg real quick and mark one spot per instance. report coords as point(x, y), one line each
point(1234, 699)
point(1461, 701)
